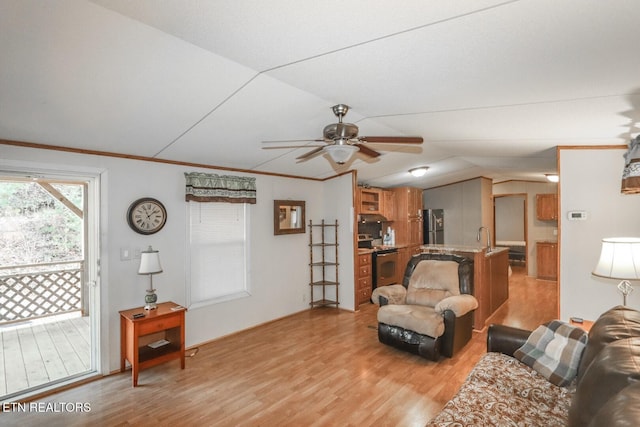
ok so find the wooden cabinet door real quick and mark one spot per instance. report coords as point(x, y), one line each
point(408, 224)
point(547, 207)
point(404, 255)
point(388, 205)
point(415, 231)
point(364, 284)
point(414, 202)
point(547, 260)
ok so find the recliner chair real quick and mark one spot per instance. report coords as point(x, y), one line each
point(431, 313)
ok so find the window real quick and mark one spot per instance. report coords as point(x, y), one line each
point(218, 254)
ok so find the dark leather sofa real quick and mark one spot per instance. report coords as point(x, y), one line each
point(606, 391)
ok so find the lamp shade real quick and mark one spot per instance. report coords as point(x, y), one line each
point(619, 259)
point(340, 153)
point(149, 262)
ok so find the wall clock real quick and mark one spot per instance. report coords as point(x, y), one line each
point(146, 216)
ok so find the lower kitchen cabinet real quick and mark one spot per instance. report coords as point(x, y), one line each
point(364, 283)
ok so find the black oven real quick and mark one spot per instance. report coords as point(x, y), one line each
point(385, 266)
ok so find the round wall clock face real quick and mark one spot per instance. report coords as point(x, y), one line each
point(146, 216)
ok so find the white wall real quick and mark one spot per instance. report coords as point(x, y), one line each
point(278, 272)
point(338, 204)
point(590, 181)
point(465, 207)
point(509, 218)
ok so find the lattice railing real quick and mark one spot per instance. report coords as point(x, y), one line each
point(43, 293)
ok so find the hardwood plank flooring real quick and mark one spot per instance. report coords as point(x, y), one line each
point(35, 353)
point(322, 367)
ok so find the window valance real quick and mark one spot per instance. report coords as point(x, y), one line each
point(631, 172)
point(205, 187)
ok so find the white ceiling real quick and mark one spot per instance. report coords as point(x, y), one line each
point(492, 86)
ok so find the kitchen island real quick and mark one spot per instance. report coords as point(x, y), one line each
point(490, 278)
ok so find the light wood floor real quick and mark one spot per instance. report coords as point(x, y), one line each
point(44, 350)
point(322, 367)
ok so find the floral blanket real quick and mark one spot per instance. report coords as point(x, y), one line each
point(501, 391)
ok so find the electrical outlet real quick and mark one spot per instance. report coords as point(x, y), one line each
point(304, 297)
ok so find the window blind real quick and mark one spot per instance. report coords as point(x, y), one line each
point(218, 252)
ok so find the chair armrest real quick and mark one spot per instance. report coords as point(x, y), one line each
point(392, 294)
point(459, 304)
point(505, 339)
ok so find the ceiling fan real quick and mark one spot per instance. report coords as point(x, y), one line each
point(341, 140)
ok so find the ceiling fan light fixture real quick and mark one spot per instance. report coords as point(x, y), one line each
point(340, 153)
point(552, 177)
point(419, 171)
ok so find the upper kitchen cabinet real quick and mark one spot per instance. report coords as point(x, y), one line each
point(547, 207)
point(388, 209)
point(376, 201)
point(369, 200)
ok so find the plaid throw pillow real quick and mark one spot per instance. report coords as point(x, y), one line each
point(554, 350)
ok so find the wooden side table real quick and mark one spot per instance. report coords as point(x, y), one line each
point(586, 324)
point(155, 338)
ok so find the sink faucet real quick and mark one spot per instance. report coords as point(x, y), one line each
point(488, 237)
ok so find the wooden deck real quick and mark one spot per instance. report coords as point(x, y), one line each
point(36, 352)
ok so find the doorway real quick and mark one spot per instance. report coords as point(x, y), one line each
point(48, 279)
point(510, 225)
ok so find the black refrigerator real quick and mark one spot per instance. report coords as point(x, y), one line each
point(433, 223)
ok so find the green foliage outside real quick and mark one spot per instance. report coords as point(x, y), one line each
point(37, 228)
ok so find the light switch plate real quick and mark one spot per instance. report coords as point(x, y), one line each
point(125, 254)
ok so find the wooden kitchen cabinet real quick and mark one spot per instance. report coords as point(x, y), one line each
point(369, 200)
point(547, 260)
point(408, 223)
point(388, 209)
point(414, 228)
point(364, 282)
point(547, 207)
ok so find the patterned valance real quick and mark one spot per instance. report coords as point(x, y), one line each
point(205, 187)
point(631, 172)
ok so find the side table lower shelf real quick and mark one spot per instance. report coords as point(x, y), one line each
point(156, 338)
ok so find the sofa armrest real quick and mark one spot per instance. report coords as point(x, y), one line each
point(505, 339)
point(459, 304)
point(392, 294)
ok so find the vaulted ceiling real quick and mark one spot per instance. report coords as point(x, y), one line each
point(492, 86)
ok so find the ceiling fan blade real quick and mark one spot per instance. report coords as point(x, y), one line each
point(310, 154)
point(293, 140)
point(392, 139)
point(367, 151)
point(291, 146)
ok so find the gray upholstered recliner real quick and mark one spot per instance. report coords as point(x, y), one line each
point(431, 313)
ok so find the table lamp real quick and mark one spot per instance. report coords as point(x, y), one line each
point(150, 265)
point(620, 259)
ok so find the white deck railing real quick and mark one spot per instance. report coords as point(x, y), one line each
point(38, 290)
